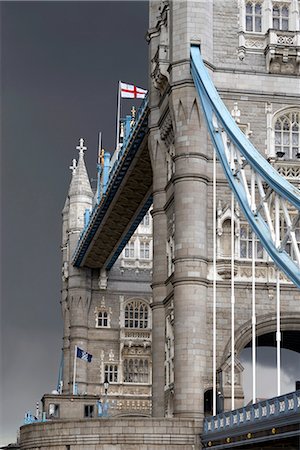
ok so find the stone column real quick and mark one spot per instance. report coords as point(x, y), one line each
point(190, 276)
point(79, 299)
point(159, 276)
point(189, 21)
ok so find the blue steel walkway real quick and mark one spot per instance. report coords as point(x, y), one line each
point(269, 423)
point(125, 199)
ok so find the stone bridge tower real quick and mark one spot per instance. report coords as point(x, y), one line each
point(250, 52)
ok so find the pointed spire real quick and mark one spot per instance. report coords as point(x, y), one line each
point(80, 183)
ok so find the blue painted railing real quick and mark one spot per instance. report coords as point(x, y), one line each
point(283, 405)
point(139, 114)
point(30, 418)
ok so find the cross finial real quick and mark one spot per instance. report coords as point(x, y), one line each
point(73, 167)
point(81, 147)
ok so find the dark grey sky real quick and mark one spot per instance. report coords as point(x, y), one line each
point(61, 62)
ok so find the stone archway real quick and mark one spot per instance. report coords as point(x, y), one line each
point(265, 327)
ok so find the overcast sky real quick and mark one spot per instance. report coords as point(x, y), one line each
point(61, 62)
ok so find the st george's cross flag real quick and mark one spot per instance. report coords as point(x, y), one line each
point(131, 91)
point(81, 354)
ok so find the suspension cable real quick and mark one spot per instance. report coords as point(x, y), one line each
point(232, 301)
point(214, 287)
point(278, 333)
point(253, 207)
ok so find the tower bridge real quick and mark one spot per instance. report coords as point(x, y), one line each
point(226, 236)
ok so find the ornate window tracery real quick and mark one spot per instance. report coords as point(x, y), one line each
point(246, 243)
point(136, 370)
point(144, 250)
point(136, 314)
point(129, 250)
point(102, 319)
point(146, 219)
point(287, 135)
point(280, 17)
point(254, 16)
point(102, 315)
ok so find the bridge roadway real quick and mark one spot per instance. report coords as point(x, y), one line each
point(272, 423)
point(126, 200)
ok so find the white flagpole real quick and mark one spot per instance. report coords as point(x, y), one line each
point(74, 369)
point(118, 115)
point(99, 167)
point(254, 255)
point(214, 288)
point(232, 303)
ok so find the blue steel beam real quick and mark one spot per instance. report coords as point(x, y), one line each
point(212, 104)
point(114, 182)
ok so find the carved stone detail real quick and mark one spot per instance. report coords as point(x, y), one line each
point(160, 62)
point(166, 131)
point(283, 52)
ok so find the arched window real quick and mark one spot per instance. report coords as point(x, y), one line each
point(136, 370)
point(136, 314)
point(287, 135)
point(246, 236)
point(102, 319)
point(146, 219)
point(129, 250)
point(281, 17)
point(144, 250)
point(253, 16)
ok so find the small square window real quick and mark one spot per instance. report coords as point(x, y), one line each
point(53, 410)
point(88, 411)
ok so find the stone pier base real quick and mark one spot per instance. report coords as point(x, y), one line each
point(112, 434)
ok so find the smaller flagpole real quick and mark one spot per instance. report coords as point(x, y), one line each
point(74, 369)
point(118, 115)
point(99, 167)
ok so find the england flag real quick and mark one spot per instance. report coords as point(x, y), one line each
point(131, 91)
point(81, 354)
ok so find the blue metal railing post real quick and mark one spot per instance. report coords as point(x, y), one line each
point(106, 171)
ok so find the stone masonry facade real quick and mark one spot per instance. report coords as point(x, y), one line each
point(252, 52)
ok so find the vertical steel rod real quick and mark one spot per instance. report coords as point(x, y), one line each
point(232, 301)
point(214, 287)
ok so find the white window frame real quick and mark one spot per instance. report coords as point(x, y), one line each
point(271, 122)
point(287, 147)
point(253, 16)
point(281, 19)
point(102, 319)
point(248, 241)
point(146, 220)
point(144, 250)
point(136, 315)
point(129, 250)
point(111, 372)
point(136, 370)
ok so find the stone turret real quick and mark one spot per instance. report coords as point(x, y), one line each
point(76, 289)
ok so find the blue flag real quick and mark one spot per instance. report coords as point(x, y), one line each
point(81, 354)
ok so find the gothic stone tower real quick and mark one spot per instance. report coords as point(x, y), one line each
point(250, 50)
point(107, 315)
